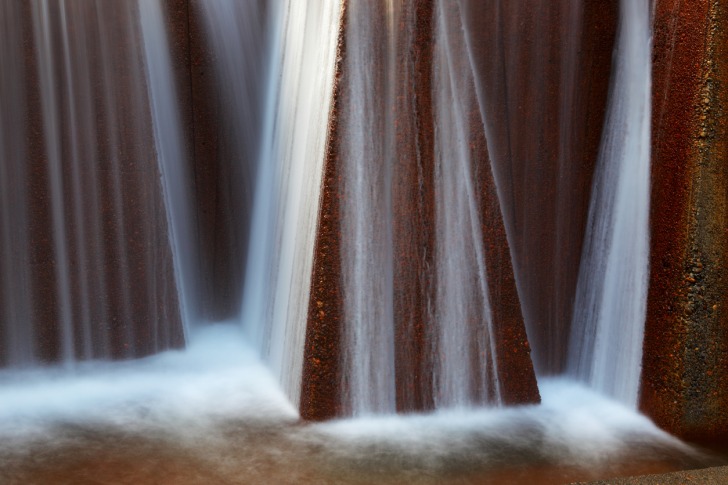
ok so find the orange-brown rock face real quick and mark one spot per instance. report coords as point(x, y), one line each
point(543, 71)
point(321, 381)
point(685, 363)
point(87, 229)
point(404, 130)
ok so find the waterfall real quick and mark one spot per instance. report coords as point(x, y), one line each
point(609, 310)
point(289, 174)
point(277, 212)
point(100, 231)
point(171, 156)
point(85, 273)
point(245, 74)
point(16, 341)
point(418, 327)
point(366, 248)
point(464, 314)
point(52, 119)
point(230, 56)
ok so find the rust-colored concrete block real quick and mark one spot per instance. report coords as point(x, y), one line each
point(685, 362)
point(412, 135)
point(413, 205)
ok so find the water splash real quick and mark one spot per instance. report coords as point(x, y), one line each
point(216, 407)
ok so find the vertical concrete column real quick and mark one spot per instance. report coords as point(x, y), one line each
point(322, 381)
point(412, 153)
point(413, 205)
point(685, 362)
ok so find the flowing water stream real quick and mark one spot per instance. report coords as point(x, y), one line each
point(76, 208)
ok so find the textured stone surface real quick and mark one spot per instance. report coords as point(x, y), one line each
point(413, 233)
point(513, 353)
point(685, 367)
point(413, 204)
point(706, 476)
point(321, 378)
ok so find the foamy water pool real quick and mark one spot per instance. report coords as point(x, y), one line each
point(214, 414)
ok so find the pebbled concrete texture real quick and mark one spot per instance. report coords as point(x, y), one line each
point(685, 363)
point(706, 476)
point(321, 379)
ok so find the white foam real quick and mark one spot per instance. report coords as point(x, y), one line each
point(217, 377)
point(574, 426)
point(218, 401)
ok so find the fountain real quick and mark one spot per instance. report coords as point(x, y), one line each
point(269, 240)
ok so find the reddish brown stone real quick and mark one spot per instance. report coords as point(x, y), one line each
point(685, 363)
point(515, 369)
point(413, 205)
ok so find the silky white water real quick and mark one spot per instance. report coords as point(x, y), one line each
point(366, 203)
point(79, 182)
point(171, 157)
point(290, 170)
point(463, 306)
point(52, 119)
point(213, 399)
point(379, 119)
point(14, 278)
point(609, 309)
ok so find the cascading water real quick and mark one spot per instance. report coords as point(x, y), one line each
point(541, 73)
point(230, 66)
point(366, 249)
point(80, 216)
point(378, 119)
point(16, 341)
point(609, 311)
point(98, 251)
point(172, 160)
point(466, 373)
point(289, 176)
point(52, 130)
